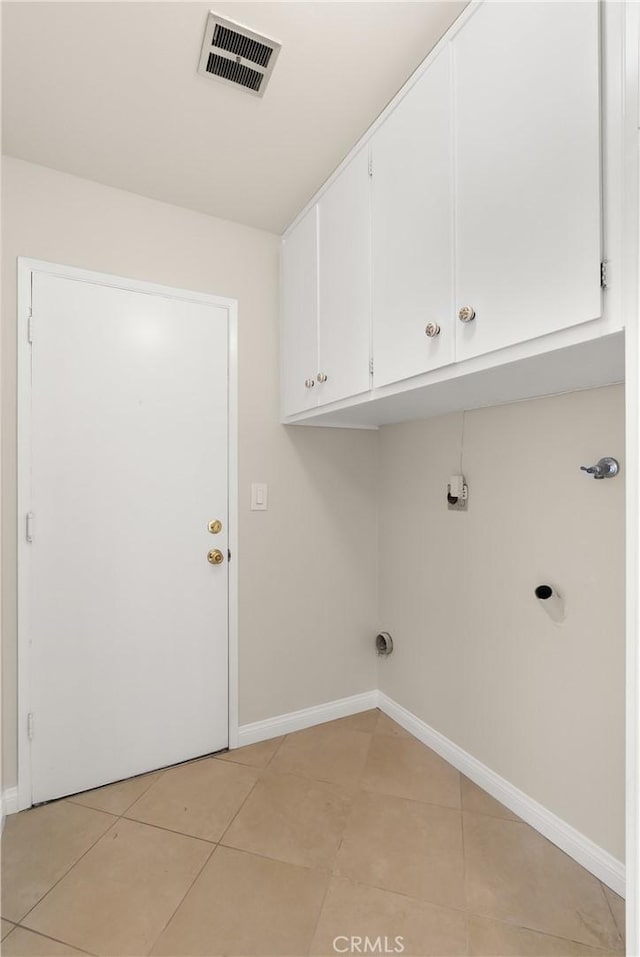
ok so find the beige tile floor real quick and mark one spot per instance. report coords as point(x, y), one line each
point(352, 828)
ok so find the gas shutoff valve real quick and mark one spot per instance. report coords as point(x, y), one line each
point(457, 493)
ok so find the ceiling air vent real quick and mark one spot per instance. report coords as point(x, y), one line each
point(234, 54)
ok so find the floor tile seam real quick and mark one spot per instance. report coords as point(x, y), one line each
point(348, 791)
point(282, 741)
point(320, 912)
point(613, 916)
point(238, 764)
point(342, 792)
point(324, 868)
point(461, 909)
point(308, 777)
point(160, 774)
point(543, 933)
point(74, 798)
point(401, 797)
point(169, 830)
point(464, 871)
point(467, 912)
point(68, 871)
point(277, 860)
point(58, 940)
point(409, 897)
point(183, 898)
point(240, 807)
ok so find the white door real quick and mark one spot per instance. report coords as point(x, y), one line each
point(127, 618)
point(299, 330)
point(527, 133)
point(344, 253)
point(412, 224)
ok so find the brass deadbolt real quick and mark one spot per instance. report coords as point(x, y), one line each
point(215, 526)
point(215, 557)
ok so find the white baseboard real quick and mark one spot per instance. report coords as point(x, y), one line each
point(306, 718)
point(583, 850)
point(9, 802)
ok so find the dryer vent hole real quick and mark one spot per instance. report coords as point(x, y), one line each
point(384, 643)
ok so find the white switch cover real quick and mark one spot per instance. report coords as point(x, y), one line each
point(258, 497)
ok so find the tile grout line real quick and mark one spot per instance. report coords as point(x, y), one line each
point(256, 767)
point(613, 916)
point(73, 799)
point(331, 869)
point(247, 796)
point(320, 910)
point(68, 871)
point(284, 738)
point(357, 790)
point(65, 943)
point(275, 860)
point(182, 899)
point(168, 830)
point(465, 911)
point(464, 868)
point(543, 933)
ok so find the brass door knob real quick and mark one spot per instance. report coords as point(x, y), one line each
point(432, 329)
point(215, 557)
point(215, 526)
point(467, 314)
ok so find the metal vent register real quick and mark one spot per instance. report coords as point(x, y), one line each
point(233, 54)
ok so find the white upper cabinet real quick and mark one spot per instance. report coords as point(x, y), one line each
point(344, 330)
point(527, 160)
point(479, 196)
point(299, 328)
point(412, 231)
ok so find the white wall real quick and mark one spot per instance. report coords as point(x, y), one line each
point(307, 565)
point(475, 657)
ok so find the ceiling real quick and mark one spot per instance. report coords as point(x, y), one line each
point(109, 91)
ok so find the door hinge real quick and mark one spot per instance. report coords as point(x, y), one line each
point(228, 554)
point(370, 165)
point(30, 326)
point(29, 527)
point(370, 366)
point(30, 726)
point(604, 274)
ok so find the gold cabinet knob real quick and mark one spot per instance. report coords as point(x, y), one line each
point(432, 329)
point(215, 526)
point(467, 314)
point(321, 377)
point(215, 557)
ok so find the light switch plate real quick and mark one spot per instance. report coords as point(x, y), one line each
point(258, 497)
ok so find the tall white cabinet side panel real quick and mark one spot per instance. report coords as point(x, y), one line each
point(528, 176)
point(345, 283)
point(412, 225)
point(299, 328)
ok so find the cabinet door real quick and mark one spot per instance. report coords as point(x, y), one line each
point(345, 284)
point(299, 328)
point(411, 231)
point(527, 134)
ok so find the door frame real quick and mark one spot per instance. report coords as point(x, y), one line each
point(26, 269)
